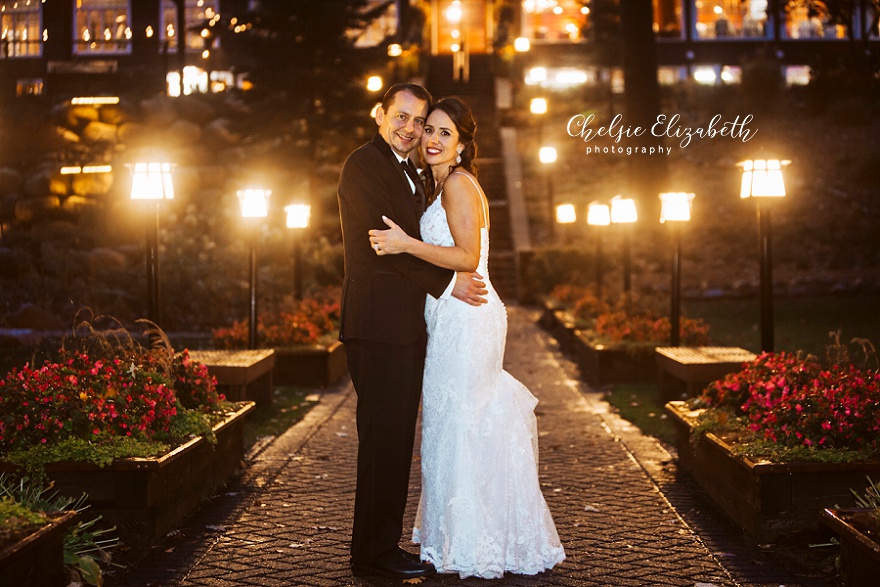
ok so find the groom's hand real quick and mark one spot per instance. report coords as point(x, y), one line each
point(470, 288)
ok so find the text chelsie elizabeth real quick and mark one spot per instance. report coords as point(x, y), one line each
point(582, 126)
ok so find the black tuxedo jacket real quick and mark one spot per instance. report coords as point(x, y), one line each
point(383, 298)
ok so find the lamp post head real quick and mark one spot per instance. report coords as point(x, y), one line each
point(762, 178)
point(254, 202)
point(675, 206)
point(566, 214)
point(521, 45)
point(538, 106)
point(298, 215)
point(598, 214)
point(374, 83)
point(623, 210)
point(151, 181)
point(547, 155)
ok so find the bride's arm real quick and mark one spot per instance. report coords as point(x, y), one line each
point(461, 201)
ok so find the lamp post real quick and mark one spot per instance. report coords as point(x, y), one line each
point(598, 214)
point(547, 156)
point(521, 46)
point(152, 181)
point(762, 179)
point(297, 218)
point(538, 107)
point(567, 216)
point(394, 52)
point(675, 207)
point(623, 211)
point(254, 205)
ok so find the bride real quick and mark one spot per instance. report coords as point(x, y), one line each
point(481, 511)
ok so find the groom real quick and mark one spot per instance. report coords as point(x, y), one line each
point(383, 327)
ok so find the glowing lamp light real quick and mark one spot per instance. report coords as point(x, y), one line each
point(538, 106)
point(374, 83)
point(521, 45)
point(538, 74)
point(675, 206)
point(623, 210)
point(762, 178)
point(254, 202)
point(566, 214)
point(298, 215)
point(152, 181)
point(375, 109)
point(454, 12)
point(95, 100)
point(547, 154)
point(395, 50)
point(598, 214)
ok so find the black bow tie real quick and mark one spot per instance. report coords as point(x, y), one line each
point(419, 195)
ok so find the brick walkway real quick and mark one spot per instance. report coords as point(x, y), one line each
point(623, 515)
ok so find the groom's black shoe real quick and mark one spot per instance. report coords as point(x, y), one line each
point(395, 563)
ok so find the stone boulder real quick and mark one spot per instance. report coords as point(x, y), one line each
point(115, 114)
point(36, 208)
point(91, 184)
point(11, 180)
point(47, 180)
point(99, 132)
point(217, 133)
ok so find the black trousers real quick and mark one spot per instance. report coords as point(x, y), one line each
point(388, 382)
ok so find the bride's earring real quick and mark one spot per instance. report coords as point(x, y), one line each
point(458, 158)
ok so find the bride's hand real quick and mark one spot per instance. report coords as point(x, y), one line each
point(391, 241)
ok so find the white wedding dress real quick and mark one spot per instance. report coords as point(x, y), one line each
point(481, 511)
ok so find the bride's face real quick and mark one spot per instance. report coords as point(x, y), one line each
point(440, 142)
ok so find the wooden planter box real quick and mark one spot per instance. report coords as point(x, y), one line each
point(602, 365)
point(38, 559)
point(599, 364)
point(313, 366)
point(765, 499)
point(147, 497)
point(859, 553)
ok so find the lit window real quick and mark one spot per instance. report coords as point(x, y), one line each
point(102, 26)
point(20, 26)
point(198, 14)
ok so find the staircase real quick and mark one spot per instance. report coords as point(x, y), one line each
point(479, 93)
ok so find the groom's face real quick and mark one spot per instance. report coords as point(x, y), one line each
point(402, 124)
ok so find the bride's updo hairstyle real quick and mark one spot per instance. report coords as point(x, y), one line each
point(464, 122)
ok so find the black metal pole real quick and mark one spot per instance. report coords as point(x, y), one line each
point(252, 320)
point(153, 305)
point(627, 259)
point(550, 200)
point(297, 267)
point(766, 277)
point(675, 312)
point(599, 268)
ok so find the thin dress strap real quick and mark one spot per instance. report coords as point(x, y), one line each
point(484, 204)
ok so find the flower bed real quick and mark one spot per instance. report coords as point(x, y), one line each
point(145, 497)
point(764, 498)
point(142, 431)
point(776, 442)
point(303, 335)
point(611, 344)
